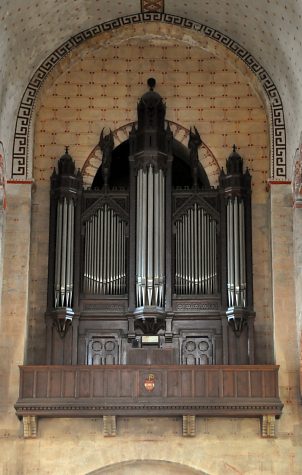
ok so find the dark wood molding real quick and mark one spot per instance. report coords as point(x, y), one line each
point(90, 391)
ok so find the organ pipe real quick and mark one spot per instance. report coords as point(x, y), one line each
point(150, 243)
point(195, 253)
point(236, 284)
point(64, 260)
point(150, 234)
point(104, 255)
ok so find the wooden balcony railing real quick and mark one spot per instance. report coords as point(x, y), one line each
point(109, 391)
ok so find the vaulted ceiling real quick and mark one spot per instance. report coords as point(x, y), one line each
point(269, 29)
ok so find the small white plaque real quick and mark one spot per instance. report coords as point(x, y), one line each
point(150, 339)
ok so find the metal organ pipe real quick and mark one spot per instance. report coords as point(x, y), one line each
point(231, 256)
point(206, 259)
point(203, 256)
point(90, 257)
point(199, 249)
point(236, 252)
point(214, 256)
point(123, 261)
point(186, 255)
point(98, 239)
point(176, 253)
point(242, 253)
point(162, 239)
point(195, 253)
point(105, 249)
point(102, 250)
point(70, 245)
point(58, 254)
point(156, 237)
point(64, 264)
point(143, 237)
point(236, 274)
point(111, 237)
point(63, 256)
point(196, 272)
point(104, 254)
point(150, 232)
point(93, 260)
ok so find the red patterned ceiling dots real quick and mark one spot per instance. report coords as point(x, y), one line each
point(151, 6)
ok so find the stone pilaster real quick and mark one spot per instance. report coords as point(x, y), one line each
point(297, 241)
point(14, 303)
point(283, 284)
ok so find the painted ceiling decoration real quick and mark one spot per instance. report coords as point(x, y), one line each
point(22, 167)
point(151, 6)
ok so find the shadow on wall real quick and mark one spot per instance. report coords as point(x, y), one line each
point(147, 467)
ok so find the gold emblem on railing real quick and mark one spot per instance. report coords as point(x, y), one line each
point(149, 382)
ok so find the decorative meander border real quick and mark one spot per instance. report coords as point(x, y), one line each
point(22, 167)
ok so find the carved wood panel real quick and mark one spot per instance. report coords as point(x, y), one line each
point(197, 351)
point(103, 351)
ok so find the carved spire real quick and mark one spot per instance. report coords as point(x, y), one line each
point(106, 144)
point(151, 109)
point(193, 145)
point(151, 83)
point(234, 163)
point(68, 179)
point(66, 164)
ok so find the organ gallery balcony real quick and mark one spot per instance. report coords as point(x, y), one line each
point(149, 390)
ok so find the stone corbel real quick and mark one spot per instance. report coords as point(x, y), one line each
point(268, 427)
point(109, 426)
point(30, 427)
point(188, 426)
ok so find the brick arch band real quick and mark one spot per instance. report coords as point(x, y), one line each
point(22, 167)
point(206, 156)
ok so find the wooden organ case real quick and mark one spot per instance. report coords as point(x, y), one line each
point(152, 264)
point(150, 273)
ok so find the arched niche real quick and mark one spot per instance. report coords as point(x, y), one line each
point(160, 26)
point(183, 90)
point(148, 467)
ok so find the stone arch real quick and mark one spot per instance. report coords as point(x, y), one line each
point(180, 133)
point(148, 467)
point(21, 164)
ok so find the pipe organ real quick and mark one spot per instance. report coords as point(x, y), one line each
point(151, 264)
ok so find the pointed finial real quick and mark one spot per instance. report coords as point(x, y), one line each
point(151, 83)
point(234, 148)
point(66, 149)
